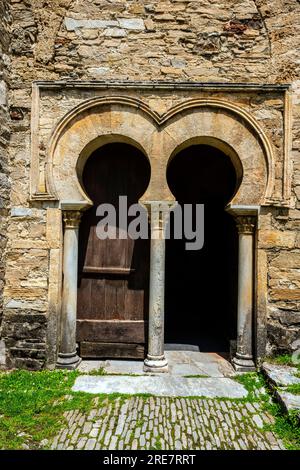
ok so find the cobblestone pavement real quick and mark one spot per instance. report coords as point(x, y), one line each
point(167, 424)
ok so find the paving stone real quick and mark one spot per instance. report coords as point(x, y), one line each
point(90, 444)
point(202, 425)
point(113, 443)
point(250, 407)
point(258, 421)
point(134, 445)
point(87, 428)
point(94, 432)
point(107, 438)
point(81, 443)
point(75, 436)
point(178, 445)
point(121, 445)
point(92, 414)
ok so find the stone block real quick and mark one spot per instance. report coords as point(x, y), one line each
point(285, 294)
point(281, 376)
point(3, 93)
point(54, 228)
point(135, 24)
point(27, 363)
point(287, 259)
point(115, 33)
point(72, 24)
point(98, 71)
point(21, 212)
point(2, 353)
point(276, 238)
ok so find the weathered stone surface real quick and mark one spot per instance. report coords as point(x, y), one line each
point(289, 401)
point(5, 24)
point(281, 375)
point(251, 41)
point(161, 386)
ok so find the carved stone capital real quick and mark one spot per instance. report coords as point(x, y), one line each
point(158, 212)
point(72, 219)
point(245, 224)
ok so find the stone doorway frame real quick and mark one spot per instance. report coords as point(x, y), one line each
point(126, 118)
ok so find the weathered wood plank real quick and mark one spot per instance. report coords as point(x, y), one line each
point(111, 350)
point(111, 331)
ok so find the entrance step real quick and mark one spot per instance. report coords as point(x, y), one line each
point(167, 386)
point(180, 363)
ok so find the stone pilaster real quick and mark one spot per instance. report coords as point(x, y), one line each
point(67, 356)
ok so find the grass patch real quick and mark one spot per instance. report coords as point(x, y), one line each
point(295, 389)
point(283, 360)
point(32, 406)
point(157, 444)
point(286, 426)
point(199, 376)
point(100, 371)
point(254, 384)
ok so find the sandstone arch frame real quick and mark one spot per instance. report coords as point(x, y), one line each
point(159, 136)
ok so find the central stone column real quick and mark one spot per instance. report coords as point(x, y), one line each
point(158, 212)
point(67, 356)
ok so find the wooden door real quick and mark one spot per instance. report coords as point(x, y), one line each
point(113, 274)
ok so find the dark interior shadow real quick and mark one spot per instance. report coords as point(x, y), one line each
point(201, 286)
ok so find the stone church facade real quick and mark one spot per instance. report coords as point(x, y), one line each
point(85, 82)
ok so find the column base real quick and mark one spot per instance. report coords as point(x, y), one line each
point(68, 361)
point(243, 364)
point(155, 364)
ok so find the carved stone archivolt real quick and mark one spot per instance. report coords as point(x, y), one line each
point(216, 121)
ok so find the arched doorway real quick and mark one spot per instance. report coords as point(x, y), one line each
point(201, 286)
point(113, 274)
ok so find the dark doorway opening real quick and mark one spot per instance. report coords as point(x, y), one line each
point(201, 286)
point(113, 274)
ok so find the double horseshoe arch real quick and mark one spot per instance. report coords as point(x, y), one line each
point(215, 122)
point(122, 119)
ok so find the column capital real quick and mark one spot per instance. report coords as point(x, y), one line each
point(245, 224)
point(158, 211)
point(245, 217)
point(71, 218)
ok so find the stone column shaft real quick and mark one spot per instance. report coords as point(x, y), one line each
point(156, 361)
point(243, 360)
point(67, 356)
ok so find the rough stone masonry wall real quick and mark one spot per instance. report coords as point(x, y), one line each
point(4, 142)
point(203, 40)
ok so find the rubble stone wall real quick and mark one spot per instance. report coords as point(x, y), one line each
point(4, 150)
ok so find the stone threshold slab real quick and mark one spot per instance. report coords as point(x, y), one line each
point(161, 386)
point(280, 375)
point(289, 401)
point(279, 378)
